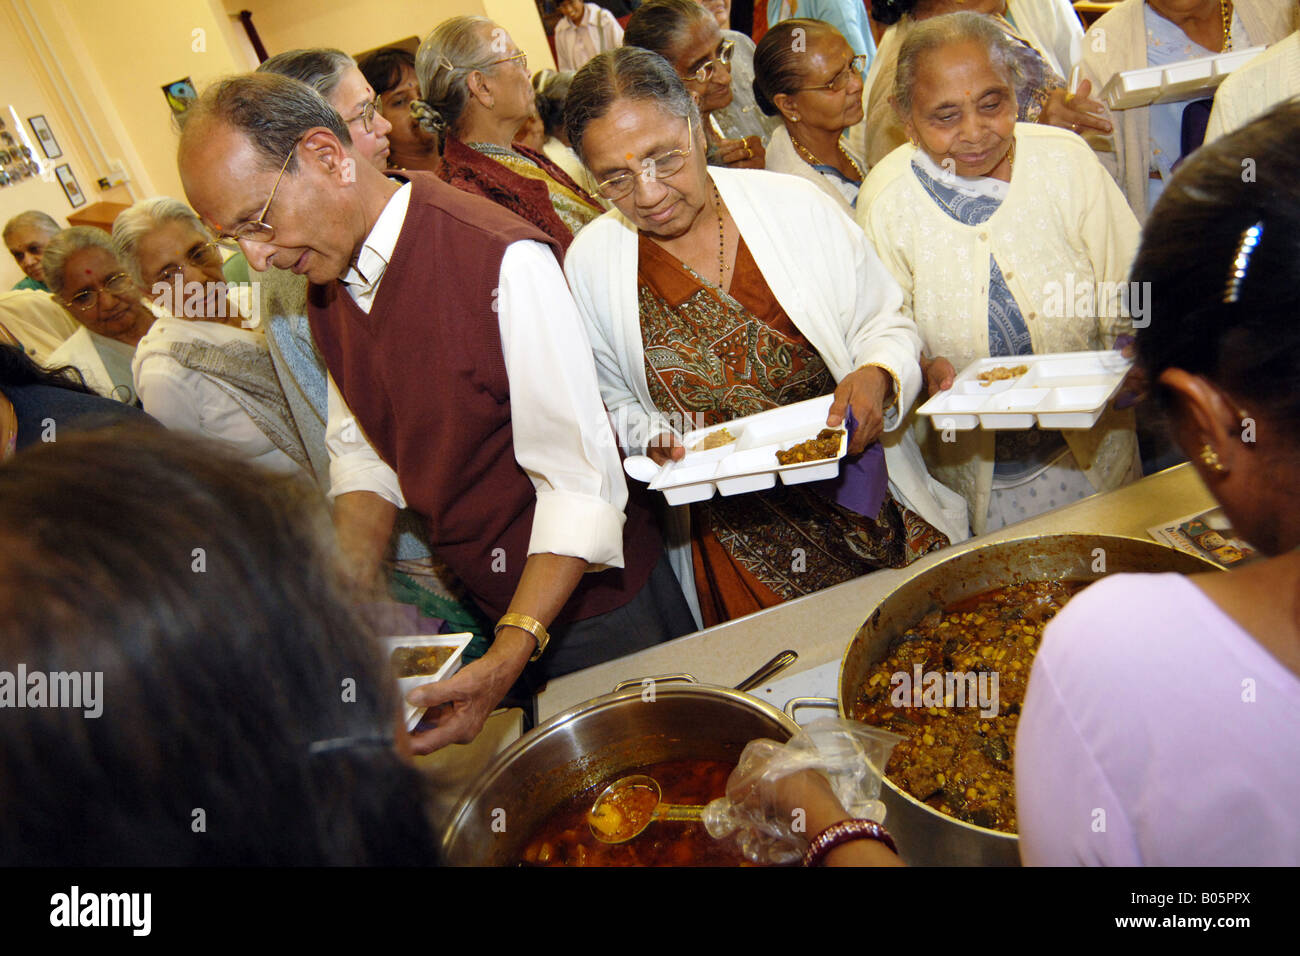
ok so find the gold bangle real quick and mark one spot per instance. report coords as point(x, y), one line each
point(529, 624)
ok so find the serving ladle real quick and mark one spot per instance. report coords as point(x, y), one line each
point(627, 806)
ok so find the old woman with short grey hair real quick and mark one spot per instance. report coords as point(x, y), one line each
point(711, 294)
point(94, 287)
point(989, 224)
point(334, 75)
point(204, 367)
point(476, 93)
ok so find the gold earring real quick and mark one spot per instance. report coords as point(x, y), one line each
point(1210, 459)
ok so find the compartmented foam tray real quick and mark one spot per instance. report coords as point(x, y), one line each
point(442, 650)
point(1060, 390)
point(1193, 79)
point(749, 462)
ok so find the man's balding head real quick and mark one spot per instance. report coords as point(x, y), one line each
point(273, 111)
point(237, 138)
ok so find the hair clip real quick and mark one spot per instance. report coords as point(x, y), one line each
point(347, 743)
point(446, 64)
point(1245, 249)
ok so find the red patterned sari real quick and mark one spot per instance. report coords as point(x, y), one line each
point(711, 356)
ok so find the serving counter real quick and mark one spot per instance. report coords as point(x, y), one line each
point(820, 626)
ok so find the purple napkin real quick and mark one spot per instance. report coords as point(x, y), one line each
point(863, 480)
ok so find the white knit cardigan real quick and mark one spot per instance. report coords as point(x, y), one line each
point(830, 283)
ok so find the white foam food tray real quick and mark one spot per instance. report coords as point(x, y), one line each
point(1058, 390)
point(1193, 79)
point(749, 463)
point(456, 642)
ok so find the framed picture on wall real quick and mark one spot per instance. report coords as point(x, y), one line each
point(49, 145)
point(70, 187)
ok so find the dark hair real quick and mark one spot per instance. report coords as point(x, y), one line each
point(1218, 264)
point(17, 369)
point(890, 12)
point(271, 109)
point(204, 592)
point(627, 72)
point(383, 68)
point(321, 69)
point(778, 63)
point(658, 25)
point(551, 88)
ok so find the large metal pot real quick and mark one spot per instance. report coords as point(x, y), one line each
point(594, 742)
point(924, 835)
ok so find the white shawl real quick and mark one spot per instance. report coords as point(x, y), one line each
point(1118, 42)
point(830, 283)
point(782, 157)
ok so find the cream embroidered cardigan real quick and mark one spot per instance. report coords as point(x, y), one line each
point(782, 157)
point(826, 278)
point(1062, 223)
point(1118, 42)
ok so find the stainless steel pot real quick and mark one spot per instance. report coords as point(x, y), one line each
point(594, 742)
point(924, 835)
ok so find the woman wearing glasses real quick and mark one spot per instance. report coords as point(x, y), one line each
point(204, 367)
point(713, 294)
point(83, 272)
point(816, 86)
point(476, 92)
point(334, 75)
point(687, 36)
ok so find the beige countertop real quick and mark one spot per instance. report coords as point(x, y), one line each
point(821, 625)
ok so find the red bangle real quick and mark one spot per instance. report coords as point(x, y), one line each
point(844, 832)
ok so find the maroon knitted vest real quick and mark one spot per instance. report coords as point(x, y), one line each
point(424, 375)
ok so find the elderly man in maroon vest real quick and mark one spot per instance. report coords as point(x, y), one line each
point(462, 384)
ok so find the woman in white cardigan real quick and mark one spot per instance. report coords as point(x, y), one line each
point(993, 263)
point(710, 294)
point(806, 72)
point(1145, 144)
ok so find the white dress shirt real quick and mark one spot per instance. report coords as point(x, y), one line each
point(575, 45)
point(562, 434)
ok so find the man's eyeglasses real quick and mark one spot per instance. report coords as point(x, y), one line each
point(662, 166)
point(258, 229)
point(841, 79)
point(118, 284)
point(367, 115)
point(705, 72)
point(204, 254)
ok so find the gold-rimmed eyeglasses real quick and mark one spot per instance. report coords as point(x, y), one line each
point(367, 115)
point(521, 56)
point(841, 79)
point(258, 229)
point(204, 254)
point(653, 168)
point(118, 285)
point(706, 70)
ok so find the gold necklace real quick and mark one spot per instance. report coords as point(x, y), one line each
point(722, 240)
point(806, 154)
point(1225, 10)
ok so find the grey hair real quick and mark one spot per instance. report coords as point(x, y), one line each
point(144, 217)
point(930, 35)
point(321, 69)
point(629, 73)
point(32, 218)
point(64, 245)
point(446, 57)
point(272, 110)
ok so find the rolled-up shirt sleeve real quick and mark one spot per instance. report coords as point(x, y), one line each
point(354, 463)
point(562, 433)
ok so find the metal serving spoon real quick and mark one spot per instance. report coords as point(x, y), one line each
point(627, 806)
